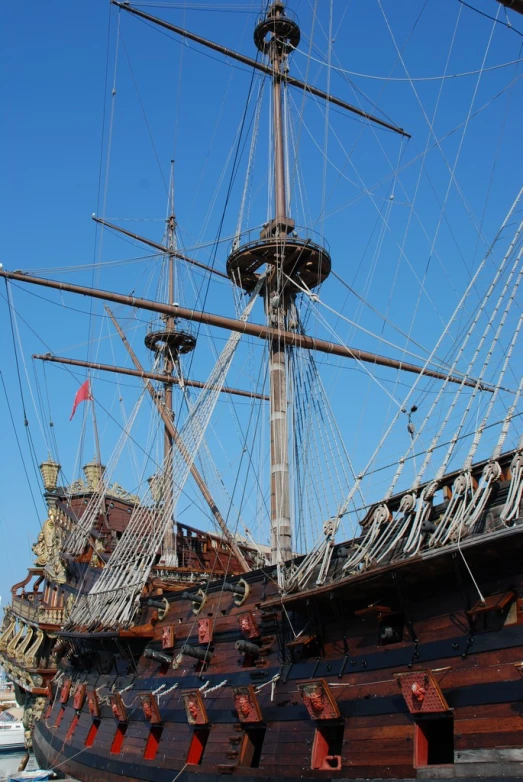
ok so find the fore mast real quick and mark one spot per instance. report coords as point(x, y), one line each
point(170, 342)
point(294, 263)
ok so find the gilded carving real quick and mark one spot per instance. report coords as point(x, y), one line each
point(33, 710)
point(15, 640)
point(24, 645)
point(30, 655)
point(8, 630)
point(48, 546)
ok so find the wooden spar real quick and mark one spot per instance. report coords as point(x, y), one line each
point(160, 247)
point(173, 432)
point(252, 329)
point(259, 66)
point(281, 536)
point(161, 378)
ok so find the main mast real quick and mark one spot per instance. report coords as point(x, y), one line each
point(293, 263)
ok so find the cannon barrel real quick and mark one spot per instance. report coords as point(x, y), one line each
point(160, 657)
point(198, 654)
point(247, 648)
point(155, 603)
point(237, 589)
point(194, 598)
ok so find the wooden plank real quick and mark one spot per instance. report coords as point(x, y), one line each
point(488, 755)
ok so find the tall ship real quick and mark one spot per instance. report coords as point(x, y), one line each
point(295, 553)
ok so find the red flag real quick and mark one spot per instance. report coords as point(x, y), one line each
point(82, 395)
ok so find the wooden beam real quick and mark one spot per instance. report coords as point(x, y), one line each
point(252, 329)
point(160, 247)
point(161, 378)
point(259, 66)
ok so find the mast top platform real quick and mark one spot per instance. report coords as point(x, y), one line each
point(304, 261)
point(175, 341)
point(285, 31)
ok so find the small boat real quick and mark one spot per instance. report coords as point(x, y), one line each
point(11, 730)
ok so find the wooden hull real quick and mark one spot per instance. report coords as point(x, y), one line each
point(472, 655)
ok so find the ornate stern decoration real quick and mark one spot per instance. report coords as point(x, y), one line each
point(421, 692)
point(246, 704)
point(319, 700)
point(48, 546)
point(194, 707)
point(150, 709)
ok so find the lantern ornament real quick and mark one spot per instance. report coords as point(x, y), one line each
point(93, 472)
point(49, 471)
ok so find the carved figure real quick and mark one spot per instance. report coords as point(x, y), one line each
point(47, 547)
point(168, 637)
point(246, 704)
point(318, 700)
point(118, 707)
point(150, 709)
point(79, 696)
point(33, 709)
point(93, 704)
point(204, 631)
point(194, 708)
point(248, 625)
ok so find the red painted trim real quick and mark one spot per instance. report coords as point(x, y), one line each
point(59, 717)
point(93, 730)
point(197, 746)
point(153, 742)
point(72, 726)
point(421, 746)
point(116, 746)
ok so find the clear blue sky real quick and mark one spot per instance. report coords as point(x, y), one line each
point(58, 63)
